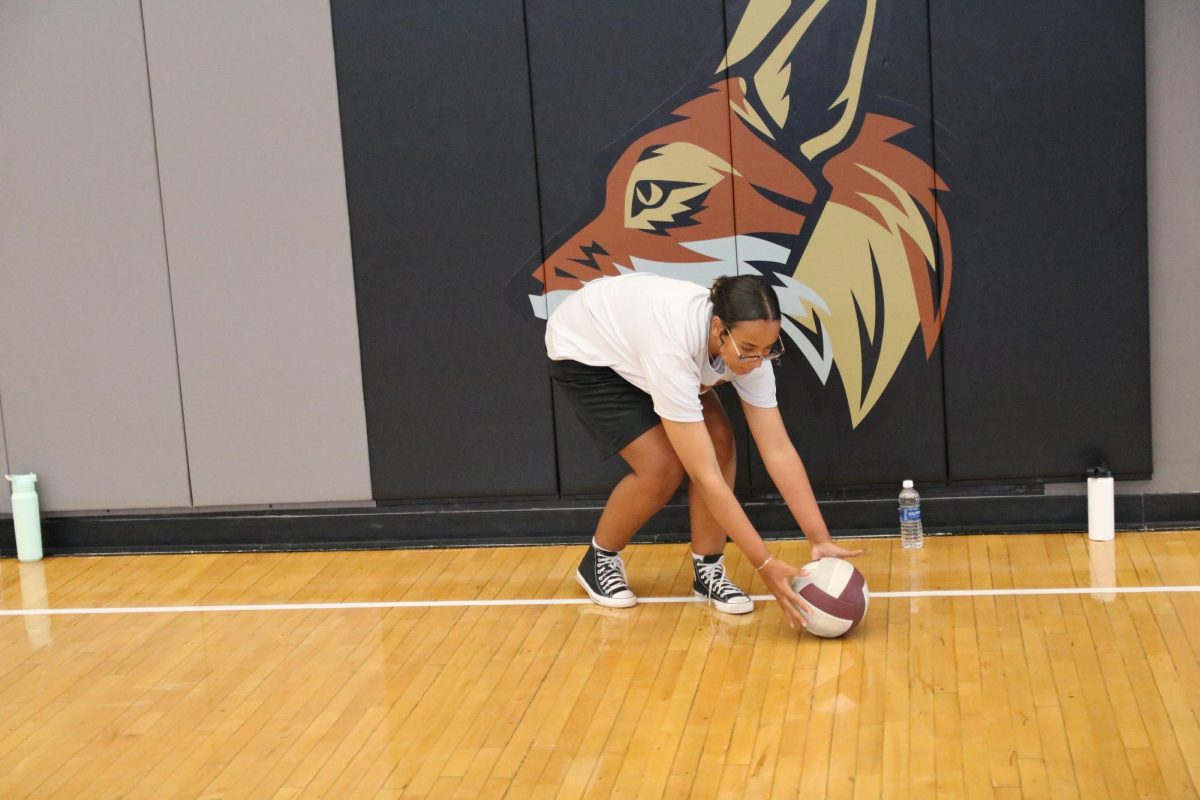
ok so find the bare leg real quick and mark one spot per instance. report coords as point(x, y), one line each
point(707, 537)
point(656, 476)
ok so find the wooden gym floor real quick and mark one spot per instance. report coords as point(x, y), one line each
point(1068, 669)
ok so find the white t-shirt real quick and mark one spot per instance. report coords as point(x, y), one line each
point(653, 332)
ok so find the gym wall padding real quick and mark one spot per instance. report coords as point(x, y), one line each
point(1002, 394)
point(254, 205)
point(1040, 114)
point(1173, 195)
point(602, 74)
point(903, 436)
point(1037, 130)
point(87, 368)
point(443, 206)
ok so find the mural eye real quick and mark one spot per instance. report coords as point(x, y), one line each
point(649, 195)
point(656, 204)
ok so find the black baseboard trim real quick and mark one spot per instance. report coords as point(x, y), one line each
point(489, 524)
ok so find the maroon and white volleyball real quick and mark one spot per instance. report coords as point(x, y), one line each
point(838, 594)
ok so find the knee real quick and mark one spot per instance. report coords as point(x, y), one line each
point(725, 448)
point(663, 474)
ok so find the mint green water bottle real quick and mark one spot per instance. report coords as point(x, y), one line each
point(27, 521)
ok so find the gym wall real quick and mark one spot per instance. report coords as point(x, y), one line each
point(270, 257)
point(88, 374)
point(177, 305)
point(1034, 120)
point(1173, 179)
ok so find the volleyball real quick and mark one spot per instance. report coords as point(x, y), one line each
point(837, 592)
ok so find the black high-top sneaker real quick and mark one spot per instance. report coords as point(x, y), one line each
point(602, 576)
point(713, 585)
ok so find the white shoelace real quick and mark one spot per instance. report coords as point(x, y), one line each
point(610, 572)
point(718, 584)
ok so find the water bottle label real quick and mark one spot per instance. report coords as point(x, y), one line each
point(910, 515)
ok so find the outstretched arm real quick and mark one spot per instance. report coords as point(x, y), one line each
point(692, 444)
point(791, 479)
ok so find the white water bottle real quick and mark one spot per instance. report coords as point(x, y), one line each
point(1101, 517)
point(27, 522)
point(911, 532)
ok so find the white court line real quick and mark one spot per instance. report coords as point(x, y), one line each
point(559, 601)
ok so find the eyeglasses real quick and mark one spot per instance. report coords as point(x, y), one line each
point(773, 355)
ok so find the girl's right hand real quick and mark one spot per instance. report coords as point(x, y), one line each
point(777, 575)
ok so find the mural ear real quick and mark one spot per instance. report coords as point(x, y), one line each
point(800, 65)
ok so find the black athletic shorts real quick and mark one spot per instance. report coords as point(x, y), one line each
point(614, 411)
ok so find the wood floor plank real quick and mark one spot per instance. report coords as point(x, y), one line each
point(896, 729)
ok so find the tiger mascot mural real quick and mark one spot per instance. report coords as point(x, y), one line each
point(773, 169)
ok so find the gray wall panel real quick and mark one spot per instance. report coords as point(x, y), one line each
point(88, 370)
point(245, 106)
point(1173, 195)
point(5, 500)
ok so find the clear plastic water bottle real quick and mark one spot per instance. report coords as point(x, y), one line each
point(911, 533)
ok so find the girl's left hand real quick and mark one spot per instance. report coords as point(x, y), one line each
point(831, 549)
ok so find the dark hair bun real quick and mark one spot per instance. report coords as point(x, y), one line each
point(717, 286)
point(741, 298)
